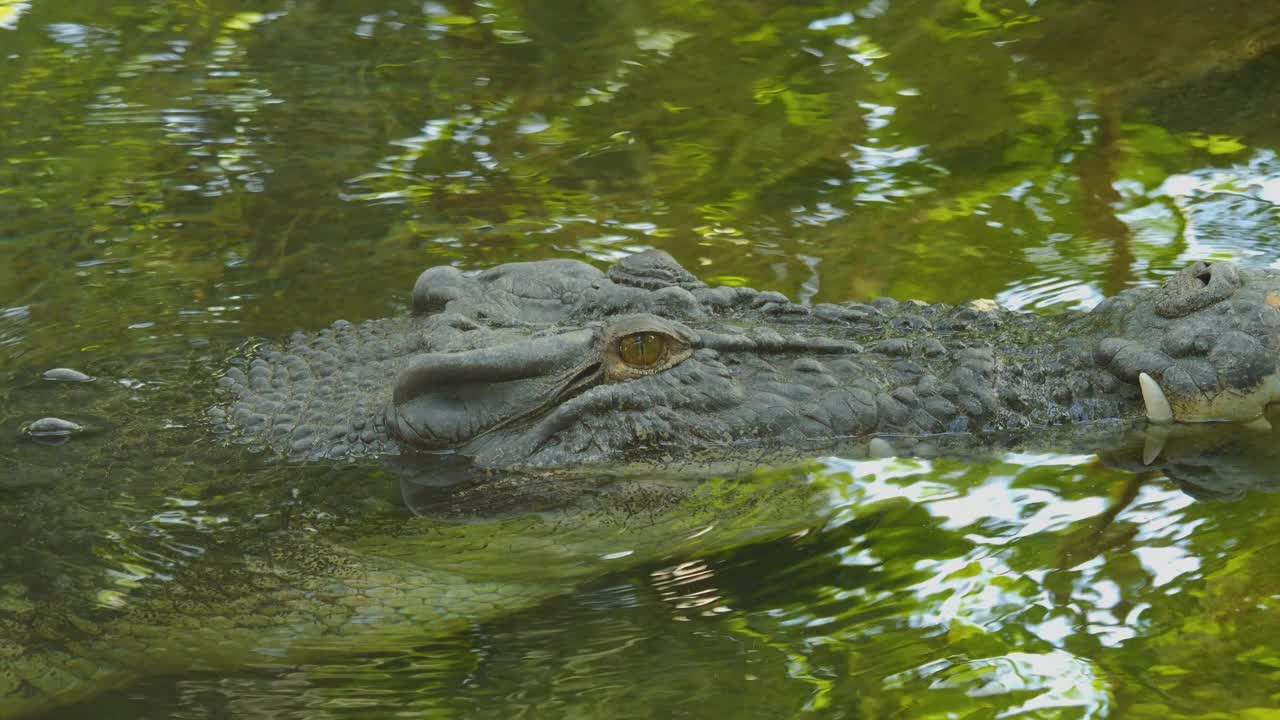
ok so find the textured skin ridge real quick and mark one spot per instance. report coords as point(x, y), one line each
point(321, 395)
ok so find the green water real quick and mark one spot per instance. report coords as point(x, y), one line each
point(178, 179)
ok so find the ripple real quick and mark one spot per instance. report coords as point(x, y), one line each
point(1034, 682)
point(11, 320)
point(1042, 293)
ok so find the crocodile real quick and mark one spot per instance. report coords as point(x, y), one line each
point(586, 409)
point(555, 363)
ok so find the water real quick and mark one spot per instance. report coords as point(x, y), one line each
point(180, 180)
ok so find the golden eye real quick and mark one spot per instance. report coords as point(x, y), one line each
point(642, 349)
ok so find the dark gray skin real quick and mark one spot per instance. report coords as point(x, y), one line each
point(555, 363)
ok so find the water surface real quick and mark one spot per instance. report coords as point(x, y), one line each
point(181, 180)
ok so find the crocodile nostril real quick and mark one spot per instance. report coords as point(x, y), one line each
point(1197, 287)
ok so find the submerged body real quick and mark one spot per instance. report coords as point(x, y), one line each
point(555, 363)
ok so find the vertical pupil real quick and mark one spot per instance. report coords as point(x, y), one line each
point(649, 348)
point(641, 348)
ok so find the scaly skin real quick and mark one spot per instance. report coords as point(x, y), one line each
point(526, 365)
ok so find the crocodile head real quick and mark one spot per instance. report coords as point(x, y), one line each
point(555, 362)
point(1203, 347)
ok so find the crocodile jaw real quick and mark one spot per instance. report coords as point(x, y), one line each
point(1225, 406)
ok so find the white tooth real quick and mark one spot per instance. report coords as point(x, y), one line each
point(1153, 444)
point(1158, 410)
point(880, 448)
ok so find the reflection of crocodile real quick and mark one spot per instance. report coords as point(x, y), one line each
point(237, 589)
point(555, 363)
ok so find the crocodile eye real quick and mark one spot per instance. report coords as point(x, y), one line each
point(641, 345)
point(642, 349)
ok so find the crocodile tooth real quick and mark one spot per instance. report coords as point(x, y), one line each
point(880, 448)
point(1158, 409)
point(1153, 444)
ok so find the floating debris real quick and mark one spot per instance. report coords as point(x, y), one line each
point(62, 374)
point(52, 430)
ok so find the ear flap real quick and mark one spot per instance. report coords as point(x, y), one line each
point(443, 400)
